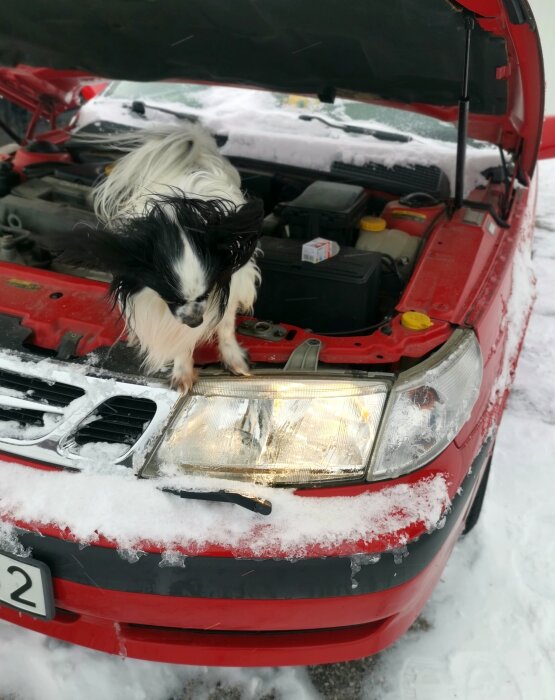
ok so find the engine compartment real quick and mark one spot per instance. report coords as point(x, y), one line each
point(352, 293)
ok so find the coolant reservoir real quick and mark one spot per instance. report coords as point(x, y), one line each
point(375, 236)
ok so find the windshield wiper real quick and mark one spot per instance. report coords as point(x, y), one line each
point(140, 107)
point(252, 503)
point(354, 129)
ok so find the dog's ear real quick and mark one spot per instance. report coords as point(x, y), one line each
point(97, 248)
point(235, 236)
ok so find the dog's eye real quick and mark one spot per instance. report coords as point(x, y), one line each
point(203, 297)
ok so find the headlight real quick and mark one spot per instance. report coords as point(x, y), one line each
point(427, 407)
point(274, 430)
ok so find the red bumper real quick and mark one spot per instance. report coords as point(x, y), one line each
point(219, 632)
point(238, 612)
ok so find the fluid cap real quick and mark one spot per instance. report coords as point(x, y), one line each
point(372, 223)
point(416, 321)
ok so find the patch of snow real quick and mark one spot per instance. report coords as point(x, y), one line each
point(131, 511)
point(519, 304)
point(101, 452)
point(19, 431)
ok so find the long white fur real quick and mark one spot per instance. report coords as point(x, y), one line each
point(163, 159)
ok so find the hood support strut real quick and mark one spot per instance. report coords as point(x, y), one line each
point(464, 104)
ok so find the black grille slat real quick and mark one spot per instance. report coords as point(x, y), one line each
point(121, 419)
point(22, 416)
point(54, 393)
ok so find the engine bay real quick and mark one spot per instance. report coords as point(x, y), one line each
point(372, 215)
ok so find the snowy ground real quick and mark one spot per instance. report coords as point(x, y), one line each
point(488, 633)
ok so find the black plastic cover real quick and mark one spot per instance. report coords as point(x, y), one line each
point(398, 179)
point(326, 209)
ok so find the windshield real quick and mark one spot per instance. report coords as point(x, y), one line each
point(199, 97)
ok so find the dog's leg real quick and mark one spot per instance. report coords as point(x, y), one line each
point(184, 374)
point(232, 354)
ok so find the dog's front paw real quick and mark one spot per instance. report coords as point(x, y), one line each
point(240, 368)
point(183, 380)
point(235, 358)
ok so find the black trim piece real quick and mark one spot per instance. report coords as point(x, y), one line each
point(519, 12)
point(223, 577)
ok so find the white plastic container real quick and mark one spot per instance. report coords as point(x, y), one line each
point(375, 236)
point(319, 249)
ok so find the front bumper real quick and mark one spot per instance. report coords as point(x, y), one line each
point(243, 612)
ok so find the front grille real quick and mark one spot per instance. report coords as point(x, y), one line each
point(52, 393)
point(120, 419)
point(62, 422)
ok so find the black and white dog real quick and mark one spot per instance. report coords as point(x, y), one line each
point(180, 241)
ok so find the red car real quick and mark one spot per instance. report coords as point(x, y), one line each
point(305, 514)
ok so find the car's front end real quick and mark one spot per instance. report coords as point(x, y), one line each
point(303, 514)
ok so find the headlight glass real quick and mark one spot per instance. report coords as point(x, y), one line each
point(274, 430)
point(428, 406)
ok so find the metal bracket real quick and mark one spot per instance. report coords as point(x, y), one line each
point(68, 345)
point(304, 357)
point(262, 329)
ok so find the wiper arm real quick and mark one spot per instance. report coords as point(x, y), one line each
point(140, 107)
point(354, 129)
point(252, 503)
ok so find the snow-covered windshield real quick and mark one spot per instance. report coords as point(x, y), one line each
point(200, 97)
point(271, 127)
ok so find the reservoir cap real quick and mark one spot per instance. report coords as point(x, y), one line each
point(416, 321)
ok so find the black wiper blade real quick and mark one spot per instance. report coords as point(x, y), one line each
point(252, 503)
point(140, 107)
point(354, 129)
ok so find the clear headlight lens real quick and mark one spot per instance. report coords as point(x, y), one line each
point(428, 406)
point(275, 431)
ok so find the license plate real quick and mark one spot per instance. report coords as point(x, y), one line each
point(26, 585)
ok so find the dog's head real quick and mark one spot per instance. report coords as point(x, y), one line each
point(184, 249)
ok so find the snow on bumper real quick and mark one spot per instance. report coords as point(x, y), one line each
point(134, 515)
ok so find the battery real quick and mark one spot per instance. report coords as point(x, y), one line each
point(338, 294)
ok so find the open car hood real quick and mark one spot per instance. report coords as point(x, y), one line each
point(402, 53)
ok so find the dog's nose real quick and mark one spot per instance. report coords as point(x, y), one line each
point(193, 322)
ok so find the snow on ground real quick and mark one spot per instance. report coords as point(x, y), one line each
point(487, 633)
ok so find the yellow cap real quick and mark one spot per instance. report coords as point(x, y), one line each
point(416, 321)
point(372, 223)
